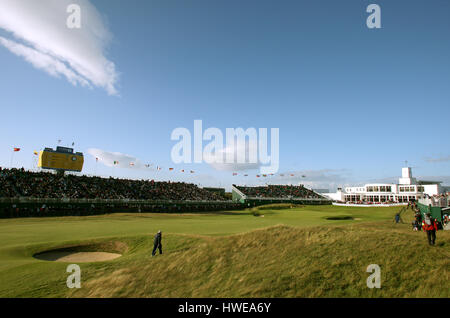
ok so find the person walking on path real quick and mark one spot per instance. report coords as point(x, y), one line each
point(418, 218)
point(157, 243)
point(429, 225)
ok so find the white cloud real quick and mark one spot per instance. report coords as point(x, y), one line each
point(314, 179)
point(38, 33)
point(444, 179)
point(42, 61)
point(438, 159)
point(218, 160)
point(124, 161)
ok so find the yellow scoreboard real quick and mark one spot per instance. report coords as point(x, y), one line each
point(61, 159)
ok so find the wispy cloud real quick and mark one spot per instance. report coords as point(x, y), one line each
point(218, 159)
point(320, 179)
point(45, 62)
point(38, 33)
point(329, 179)
point(122, 160)
point(443, 179)
point(438, 159)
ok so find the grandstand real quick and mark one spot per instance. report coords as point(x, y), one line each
point(26, 193)
point(22, 183)
point(276, 194)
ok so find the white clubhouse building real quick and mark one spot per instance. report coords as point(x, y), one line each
point(408, 189)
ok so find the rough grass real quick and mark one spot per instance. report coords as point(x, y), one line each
point(289, 253)
point(283, 261)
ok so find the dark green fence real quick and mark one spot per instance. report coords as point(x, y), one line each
point(257, 201)
point(436, 212)
point(32, 207)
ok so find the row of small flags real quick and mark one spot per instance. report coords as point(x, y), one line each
point(270, 174)
point(59, 141)
point(158, 168)
point(182, 170)
point(234, 173)
point(18, 149)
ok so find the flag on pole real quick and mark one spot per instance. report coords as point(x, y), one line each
point(16, 149)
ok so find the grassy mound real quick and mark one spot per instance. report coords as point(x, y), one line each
point(277, 206)
point(283, 261)
point(260, 210)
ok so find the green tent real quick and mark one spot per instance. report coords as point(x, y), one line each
point(436, 212)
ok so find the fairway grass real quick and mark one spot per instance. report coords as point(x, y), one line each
point(295, 252)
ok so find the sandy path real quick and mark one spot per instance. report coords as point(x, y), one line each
point(77, 257)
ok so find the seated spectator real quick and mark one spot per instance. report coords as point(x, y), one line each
point(22, 183)
point(279, 191)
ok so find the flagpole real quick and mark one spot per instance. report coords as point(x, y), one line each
point(12, 156)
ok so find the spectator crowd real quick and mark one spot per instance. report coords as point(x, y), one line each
point(442, 199)
point(279, 191)
point(21, 183)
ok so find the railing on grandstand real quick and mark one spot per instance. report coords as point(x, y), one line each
point(436, 202)
point(107, 201)
point(286, 199)
point(41, 207)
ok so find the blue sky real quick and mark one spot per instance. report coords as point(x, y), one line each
point(352, 103)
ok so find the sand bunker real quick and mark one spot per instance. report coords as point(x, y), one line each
point(77, 257)
point(339, 218)
point(90, 252)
